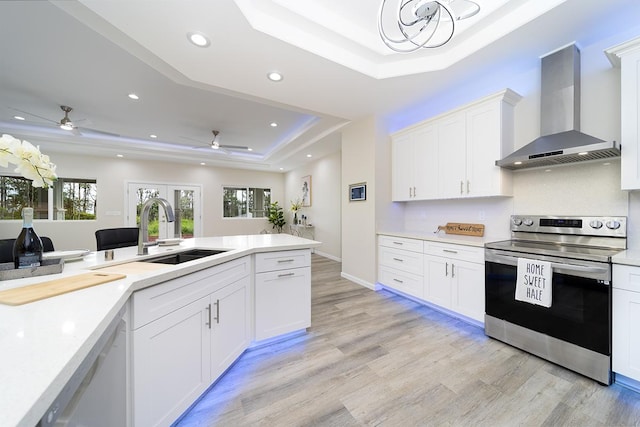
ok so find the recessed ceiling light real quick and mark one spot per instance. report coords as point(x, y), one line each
point(18, 117)
point(281, 169)
point(547, 170)
point(273, 125)
point(119, 155)
point(606, 164)
point(584, 153)
point(133, 96)
point(202, 164)
point(275, 76)
point(517, 163)
point(249, 149)
point(153, 136)
point(308, 155)
point(199, 39)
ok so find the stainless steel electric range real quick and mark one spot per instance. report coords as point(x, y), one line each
point(548, 289)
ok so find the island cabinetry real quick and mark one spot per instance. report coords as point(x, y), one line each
point(454, 278)
point(282, 292)
point(400, 264)
point(627, 57)
point(186, 332)
point(457, 159)
point(626, 318)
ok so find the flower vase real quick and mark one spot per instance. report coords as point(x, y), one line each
point(295, 218)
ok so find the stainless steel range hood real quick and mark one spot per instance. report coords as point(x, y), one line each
point(562, 142)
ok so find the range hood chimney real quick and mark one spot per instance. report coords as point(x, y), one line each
point(561, 141)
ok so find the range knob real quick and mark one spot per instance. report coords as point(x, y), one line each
point(613, 224)
point(517, 221)
point(528, 222)
point(596, 224)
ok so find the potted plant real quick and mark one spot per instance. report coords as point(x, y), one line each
point(276, 216)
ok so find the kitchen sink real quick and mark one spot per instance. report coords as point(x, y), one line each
point(180, 257)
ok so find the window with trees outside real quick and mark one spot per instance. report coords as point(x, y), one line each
point(68, 199)
point(246, 202)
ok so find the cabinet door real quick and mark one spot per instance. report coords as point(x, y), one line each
point(402, 168)
point(438, 280)
point(171, 364)
point(468, 289)
point(451, 156)
point(630, 112)
point(283, 302)
point(484, 143)
point(230, 325)
point(626, 341)
point(425, 163)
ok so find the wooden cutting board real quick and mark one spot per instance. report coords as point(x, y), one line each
point(51, 288)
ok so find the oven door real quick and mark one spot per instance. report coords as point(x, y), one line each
point(580, 312)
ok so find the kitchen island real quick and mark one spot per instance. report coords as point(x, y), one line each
point(43, 343)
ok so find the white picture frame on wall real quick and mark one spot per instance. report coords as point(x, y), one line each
point(305, 188)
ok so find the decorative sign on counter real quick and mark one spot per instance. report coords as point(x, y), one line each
point(462, 229)
point(533, 284)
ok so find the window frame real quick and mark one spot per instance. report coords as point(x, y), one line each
point(247, 189)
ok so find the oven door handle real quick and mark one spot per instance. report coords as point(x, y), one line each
point(510, 260)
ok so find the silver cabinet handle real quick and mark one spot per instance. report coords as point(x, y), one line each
point(446, 268)
point(208, 308)
point(461, 187)
point(414, 191)
point(398, 243)
point(468, 187)
point(398, 259)
point(453, 274)
point(410, 192)
point(398, 280)
point(285, 260)
point(217, 311)
point(286, 275)
point(450, 251)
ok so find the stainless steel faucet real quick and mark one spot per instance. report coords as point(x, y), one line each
point(143, 234)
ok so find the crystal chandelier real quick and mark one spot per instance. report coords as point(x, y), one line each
point(408, 25)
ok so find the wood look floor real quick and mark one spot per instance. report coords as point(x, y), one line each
point(377, 359)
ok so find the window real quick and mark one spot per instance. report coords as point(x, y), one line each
point(68, 199)
point(243, 202)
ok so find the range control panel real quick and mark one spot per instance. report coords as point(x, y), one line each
point(610, 226)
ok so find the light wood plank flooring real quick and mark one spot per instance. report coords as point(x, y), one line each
point(374, 358)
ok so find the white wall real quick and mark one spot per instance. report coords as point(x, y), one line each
point(325, 210)
point(111, 176)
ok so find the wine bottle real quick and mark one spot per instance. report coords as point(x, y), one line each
point(27, 249)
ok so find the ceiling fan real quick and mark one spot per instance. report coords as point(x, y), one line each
point(65, 123)
point(215, 144)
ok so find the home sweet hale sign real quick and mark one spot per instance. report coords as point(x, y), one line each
point(463, 229)
point(533, 284)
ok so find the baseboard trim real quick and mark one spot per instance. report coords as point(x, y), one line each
point(329, 256)
point(358, 281)
point(627, 382)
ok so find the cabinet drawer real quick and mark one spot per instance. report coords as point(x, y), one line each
point(413, 245)
point(273, 261)
point(409, 262)
point(408, 283)
point(157, 301)
point(626, 277)
point(458, 252)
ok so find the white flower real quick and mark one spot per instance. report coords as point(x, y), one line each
point(29, 161)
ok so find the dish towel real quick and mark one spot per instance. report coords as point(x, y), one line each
point(533, 284)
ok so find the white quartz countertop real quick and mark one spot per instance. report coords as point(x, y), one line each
point(444, 238)
point(44, 342)
point(628, 257)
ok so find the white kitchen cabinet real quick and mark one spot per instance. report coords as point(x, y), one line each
point(400, 264)
point(456, 152)
point(627, 57)
point(626, 318)
point(414, 167)
point(454, 278)
point(171, 364)
point(282, 293)
point(187, 332)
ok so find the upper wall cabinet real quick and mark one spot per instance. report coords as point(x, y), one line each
point(453, 155)
point(627, 57)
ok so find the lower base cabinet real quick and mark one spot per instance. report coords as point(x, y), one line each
point(192, 339)
point(626, 318)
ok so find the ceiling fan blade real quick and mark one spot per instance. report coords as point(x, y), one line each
point(34, 115)
point(234, 147)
